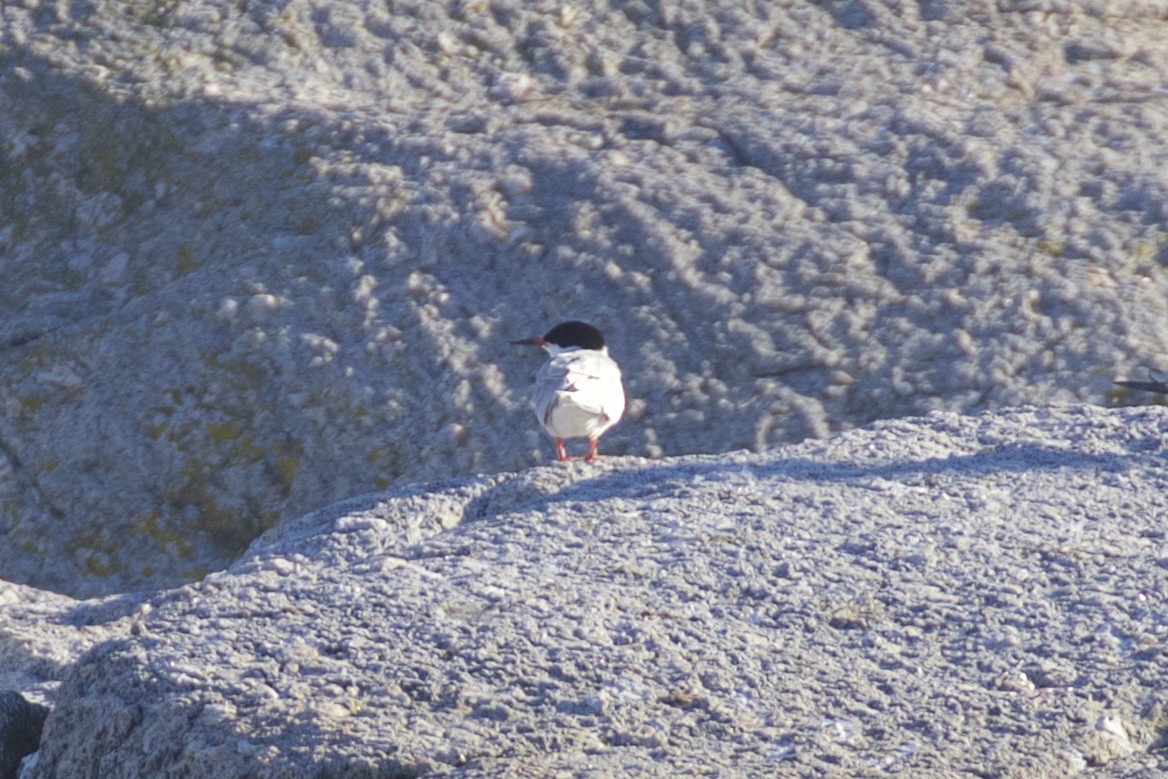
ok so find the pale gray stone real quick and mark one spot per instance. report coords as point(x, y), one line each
point(935, 597)
point(258, 258)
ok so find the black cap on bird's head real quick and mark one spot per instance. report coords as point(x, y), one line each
point(567, 335)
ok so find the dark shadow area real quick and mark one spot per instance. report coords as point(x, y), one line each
point(21, 723)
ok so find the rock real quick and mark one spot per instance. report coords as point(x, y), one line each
point(254, 258)
point(20, 730)
point(939, 596)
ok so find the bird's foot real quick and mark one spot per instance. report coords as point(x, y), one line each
point(561, 452)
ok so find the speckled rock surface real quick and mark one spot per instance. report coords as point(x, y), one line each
point(259, 258)
point(937, 597)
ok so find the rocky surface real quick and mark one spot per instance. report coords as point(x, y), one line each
point(258, 258)
point(936, 597)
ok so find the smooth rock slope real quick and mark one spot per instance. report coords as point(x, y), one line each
point(935, 597)
point(260, 257)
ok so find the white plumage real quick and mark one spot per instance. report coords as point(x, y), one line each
point(578, 394)
point(578, 391)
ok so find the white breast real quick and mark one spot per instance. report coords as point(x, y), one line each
point(578, 394)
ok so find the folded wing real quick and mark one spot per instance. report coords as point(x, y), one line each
point(580, 384)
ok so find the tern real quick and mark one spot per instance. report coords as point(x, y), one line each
point(578, 391)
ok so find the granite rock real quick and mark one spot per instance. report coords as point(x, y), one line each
point(934, 597)
point(258, 258)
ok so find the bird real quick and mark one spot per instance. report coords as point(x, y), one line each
point(1157, 384)
point(578, 391)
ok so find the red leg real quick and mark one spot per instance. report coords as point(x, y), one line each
point(592, 450)
point(561, 453)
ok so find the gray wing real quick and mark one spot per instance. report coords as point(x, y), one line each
point(592, 381)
